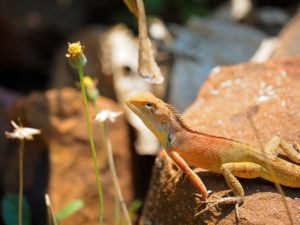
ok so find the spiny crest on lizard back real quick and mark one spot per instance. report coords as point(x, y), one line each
point(180, 120)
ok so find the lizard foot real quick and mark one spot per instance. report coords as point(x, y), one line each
point(200, 196)
point(222, 201)
point(210, 195)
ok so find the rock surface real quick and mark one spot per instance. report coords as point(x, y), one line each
point(267, 94)
point(289, 39)
point(60, 116)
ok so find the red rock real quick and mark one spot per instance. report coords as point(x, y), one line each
point(270, 94)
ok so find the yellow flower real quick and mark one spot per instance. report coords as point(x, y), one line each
point(89, 82)
point(75, 54)
point(74, 49)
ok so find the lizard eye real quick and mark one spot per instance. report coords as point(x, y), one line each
point(148, 105)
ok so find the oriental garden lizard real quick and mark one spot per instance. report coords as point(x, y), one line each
point(188, 147)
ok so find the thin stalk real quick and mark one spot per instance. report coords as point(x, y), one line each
point(112, 168)
point(51, 216)
point(273, 175)
point(117, 209)
point(93, 150)
point(21, 156)
point(114, 173)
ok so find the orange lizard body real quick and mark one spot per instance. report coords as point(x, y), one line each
point(231, 158)
point(210, 153)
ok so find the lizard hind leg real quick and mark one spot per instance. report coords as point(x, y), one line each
point(292, 152)
point(276, 142)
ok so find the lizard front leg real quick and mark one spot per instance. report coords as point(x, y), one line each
point(191, 175)
point(230, 170)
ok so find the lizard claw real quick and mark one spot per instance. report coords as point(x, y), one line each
point(200, 196)
point(221, 201)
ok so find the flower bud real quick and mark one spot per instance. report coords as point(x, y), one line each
point(92, 91)
point(75, 55)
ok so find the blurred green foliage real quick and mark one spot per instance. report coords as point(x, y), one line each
point(178, 10)
point(169, 10)
point(135, 206)
point(9, 210)
point(69, 209)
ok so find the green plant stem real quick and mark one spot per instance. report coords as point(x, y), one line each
point(112, 168)
point(91, 139)
point(20, 208)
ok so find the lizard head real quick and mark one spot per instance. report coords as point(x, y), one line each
point(153, 112)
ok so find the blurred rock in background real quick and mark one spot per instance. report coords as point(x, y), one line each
point(60, 116)
point(288, 39)
point(202, 45)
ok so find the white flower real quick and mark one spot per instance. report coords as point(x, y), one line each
point(107, 114)
point(22, 133)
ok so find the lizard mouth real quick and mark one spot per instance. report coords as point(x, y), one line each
point(129, 104)
point(132, 106)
